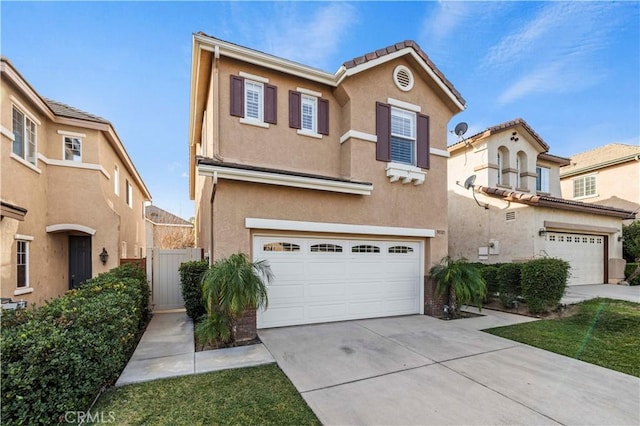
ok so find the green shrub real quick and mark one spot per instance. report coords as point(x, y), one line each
point(543, 283)
point(631, 241)
point(630, 269)
point(191, 282)
point(490, 276)
point(57, 357)
point(509, 287)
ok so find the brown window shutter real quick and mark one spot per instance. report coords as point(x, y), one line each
point(295, 119)
point(237, 96)
point(422, 141)
point(323, 116)
point(383, 132)
point(270, 104)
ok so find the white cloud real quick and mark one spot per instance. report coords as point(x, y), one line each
point(560, 29)
point(307, 33)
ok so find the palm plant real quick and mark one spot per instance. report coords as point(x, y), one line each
point(461, 281)
point(229, 288)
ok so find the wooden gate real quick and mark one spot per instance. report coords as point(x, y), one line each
point(162, 271)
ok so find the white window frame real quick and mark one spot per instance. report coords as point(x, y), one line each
point(542, 179)
point(413, 137)
point(129, 194)
point(583, 180)
point(252, 83)
point(116, 180)
point(312, 103)
point(20, 240)
point(27, 125)
point(64, 147)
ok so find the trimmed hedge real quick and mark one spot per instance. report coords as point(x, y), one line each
point(509, 287)
point(190, 280)
point(543, 283)
point(490, 276)
point(57, 357)
point(630, 269)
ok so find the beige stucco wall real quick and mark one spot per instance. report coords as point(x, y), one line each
point(58, 193)
point(351, 107)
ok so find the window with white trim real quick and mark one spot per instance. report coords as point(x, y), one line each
point(72, 149)
point(309, 113)
point(253, 100)
point(25, 138)
point(403, 136)
point(129, 194)
point(22, 263)
point(542, 179)
point(116, 180)
point(584, 186)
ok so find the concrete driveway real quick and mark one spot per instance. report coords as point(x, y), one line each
point(420, 370)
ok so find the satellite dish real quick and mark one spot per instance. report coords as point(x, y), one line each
point(461, 128)
point(469, 182)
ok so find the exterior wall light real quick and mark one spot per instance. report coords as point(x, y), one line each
point(542, 232)
point(104, 256)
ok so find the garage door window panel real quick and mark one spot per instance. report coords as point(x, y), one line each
point(365, 248)
point(400, 250)
point(280, 246)
point(326, 248)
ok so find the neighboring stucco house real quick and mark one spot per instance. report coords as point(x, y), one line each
point(519, 213)
point(608, 175)
point(167, 231)
point(69, 193)
point(337, 179)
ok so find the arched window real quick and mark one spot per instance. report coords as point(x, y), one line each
point(521, 170)
point(503, 165)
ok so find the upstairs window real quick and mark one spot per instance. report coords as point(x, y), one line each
point(402, 136)
point(542, 179)
point(254, 101)
point(72, 149)
point(116, 180)
point(129, 194)
point(584, 186)
point(24, 132)
point(308, 113)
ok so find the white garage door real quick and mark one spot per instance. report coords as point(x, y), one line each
point(585, 254)
point(322, 280)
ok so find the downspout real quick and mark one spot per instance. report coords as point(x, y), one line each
point(216, 103)
point(216, 138)
point(213, 196)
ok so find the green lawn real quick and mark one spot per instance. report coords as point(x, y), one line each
point(257, 395)
point(604, 332)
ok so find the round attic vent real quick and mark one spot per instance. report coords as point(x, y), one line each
point(403, 78)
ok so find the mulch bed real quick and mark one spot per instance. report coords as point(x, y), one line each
point(222, 345)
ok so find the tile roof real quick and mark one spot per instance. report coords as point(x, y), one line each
point(163, 217)
point(555, 202)
point(602, 156)
point(399, 46)
point(504, 126)
point(64, 110)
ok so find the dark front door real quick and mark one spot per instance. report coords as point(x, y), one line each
point(79, 260)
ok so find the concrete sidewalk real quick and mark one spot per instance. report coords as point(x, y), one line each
point(579, 293)
point(167, 349)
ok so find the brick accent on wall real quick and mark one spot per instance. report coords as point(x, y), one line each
point(432, 304)
point(246, 326)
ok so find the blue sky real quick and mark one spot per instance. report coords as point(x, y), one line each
point(570, 69)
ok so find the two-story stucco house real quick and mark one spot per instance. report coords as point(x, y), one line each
point(337, 179)
point(72, 200)
point(513, 211)
point(608, 175)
